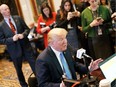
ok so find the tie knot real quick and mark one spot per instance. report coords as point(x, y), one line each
point(61, 54)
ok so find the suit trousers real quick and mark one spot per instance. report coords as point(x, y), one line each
point(18, 66)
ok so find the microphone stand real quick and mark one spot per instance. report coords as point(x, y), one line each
point(81, 54)
point(89, 80)
point(86, 64)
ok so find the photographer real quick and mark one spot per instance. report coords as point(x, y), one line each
point(45, 21)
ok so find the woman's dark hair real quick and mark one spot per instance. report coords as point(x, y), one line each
point(45, 5)
point(105, 3)
point(63, 12)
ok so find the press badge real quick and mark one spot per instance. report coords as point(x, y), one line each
point(99, 31)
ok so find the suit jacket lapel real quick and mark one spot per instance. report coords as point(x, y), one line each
point(55, 61)
point(16, 22)
point(7, 28)
point(57, 64)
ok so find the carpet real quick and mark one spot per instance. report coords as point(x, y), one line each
point(8, 77)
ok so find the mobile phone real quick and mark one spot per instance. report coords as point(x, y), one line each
point(73, 13)
point(98, 18)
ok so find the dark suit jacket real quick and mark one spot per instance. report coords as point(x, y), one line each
point(6, 37)
point(49, 71)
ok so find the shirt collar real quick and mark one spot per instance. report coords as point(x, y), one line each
point(55, 51)
point(7, 19)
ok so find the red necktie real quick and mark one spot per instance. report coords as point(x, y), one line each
point(12, 26)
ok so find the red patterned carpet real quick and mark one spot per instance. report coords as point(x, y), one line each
point(8, 77)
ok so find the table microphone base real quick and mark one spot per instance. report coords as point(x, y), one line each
point(90, 81)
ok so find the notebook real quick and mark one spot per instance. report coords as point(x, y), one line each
point(108, 68)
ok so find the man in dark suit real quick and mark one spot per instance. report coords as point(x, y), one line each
point(49, 66)
point(14, 33)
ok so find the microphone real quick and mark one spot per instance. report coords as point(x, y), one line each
point(81, 53)
point(87, 56)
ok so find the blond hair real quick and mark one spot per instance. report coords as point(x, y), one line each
point(56, 32)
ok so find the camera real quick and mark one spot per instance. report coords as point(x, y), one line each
point(53, 25)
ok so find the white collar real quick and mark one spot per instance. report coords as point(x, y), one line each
point(55, 51)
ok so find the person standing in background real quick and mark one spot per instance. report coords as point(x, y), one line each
point(33, 37)
point(45, 20)
point(106, 3)
point(113, 5)
point(13, 33)
point(81, 35)
point(69, 19)
point(82, 5)
point(95, 22)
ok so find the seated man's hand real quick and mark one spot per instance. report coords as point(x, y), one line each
point(94, 64)
point(62, 84)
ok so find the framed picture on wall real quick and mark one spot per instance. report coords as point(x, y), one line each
point(39, 3)
point(35, 4)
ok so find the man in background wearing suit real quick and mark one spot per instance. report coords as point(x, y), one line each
point(13, 33)
point(49, 66)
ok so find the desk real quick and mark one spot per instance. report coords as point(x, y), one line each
point(97, 76)
point(98, 73)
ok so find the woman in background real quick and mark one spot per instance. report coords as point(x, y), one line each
point(95, 22)
point(45, 20)
point(69, 19)
point(106, 3)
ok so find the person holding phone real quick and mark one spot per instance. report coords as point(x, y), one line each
point(95, 22)
point(45, 20)
point(68, 18)
point(13, 33)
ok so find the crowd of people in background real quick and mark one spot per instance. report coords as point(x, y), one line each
point(85, 25)
point(71, 16)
